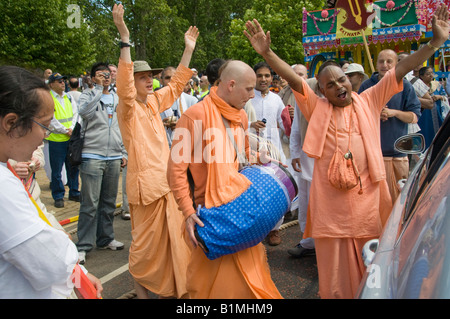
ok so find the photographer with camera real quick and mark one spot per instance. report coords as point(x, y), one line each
point(102, 154)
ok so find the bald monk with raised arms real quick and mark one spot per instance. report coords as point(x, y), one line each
point(342, 220)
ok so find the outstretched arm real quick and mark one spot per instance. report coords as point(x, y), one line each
point(190, 39)
point(261, 43)
point(118, 12)
point(440, 28)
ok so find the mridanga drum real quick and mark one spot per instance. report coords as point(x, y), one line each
point(246, 221)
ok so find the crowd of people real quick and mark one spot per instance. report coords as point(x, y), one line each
point(133, 118)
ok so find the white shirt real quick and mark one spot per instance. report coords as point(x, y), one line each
point(34, 257)
point(296, 145)
point(419, 86)
point(185, 101)
point(75, 95)
point(270, 108)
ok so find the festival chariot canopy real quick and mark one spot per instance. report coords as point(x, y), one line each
point(357, 29)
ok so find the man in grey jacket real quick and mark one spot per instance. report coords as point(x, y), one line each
point(103, 152)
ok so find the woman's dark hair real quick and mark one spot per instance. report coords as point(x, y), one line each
point(19, 95)
point(424, 69)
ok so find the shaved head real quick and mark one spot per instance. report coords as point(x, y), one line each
point(387, 59)
point(234, 70)
point(301, 70)
point(236, 83)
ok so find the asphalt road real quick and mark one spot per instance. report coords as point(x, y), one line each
point(295, 278)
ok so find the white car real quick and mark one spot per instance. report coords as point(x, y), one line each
point(412, 257)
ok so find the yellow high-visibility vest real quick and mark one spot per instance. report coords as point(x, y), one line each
point(64, 115)
point(204, 93)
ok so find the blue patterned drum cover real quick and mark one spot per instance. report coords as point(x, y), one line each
point(246, 221)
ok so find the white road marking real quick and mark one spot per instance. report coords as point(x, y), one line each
point(114, 274)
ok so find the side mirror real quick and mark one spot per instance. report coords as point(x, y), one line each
point(410, 144)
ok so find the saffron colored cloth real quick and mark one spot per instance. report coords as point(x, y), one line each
point(144, 135)
point(158, 256)
point(201, 144)
point(223, 183)
point(340, 220)
point(342, 284)
point(244, 274)
point(397, 168)
point(355, 215)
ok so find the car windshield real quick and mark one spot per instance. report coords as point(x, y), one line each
point(423, 177)
point(435, 156)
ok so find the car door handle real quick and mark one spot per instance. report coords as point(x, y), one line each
point(369, 250)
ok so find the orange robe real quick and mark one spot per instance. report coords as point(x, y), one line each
point(244, 274)
point(340, 219)
point(158, 253)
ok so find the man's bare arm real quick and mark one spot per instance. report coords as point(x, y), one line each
point(261, 43)
point(118, 12)
point(440, 28)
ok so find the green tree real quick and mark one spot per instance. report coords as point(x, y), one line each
point(284, 21)
point(213, 18)
point(156, 31)
point(97, 16)
point(36, 34)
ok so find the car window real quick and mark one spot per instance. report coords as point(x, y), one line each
point(433, 163)
point(423, 175)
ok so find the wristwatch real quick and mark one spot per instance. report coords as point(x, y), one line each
point(124, 45)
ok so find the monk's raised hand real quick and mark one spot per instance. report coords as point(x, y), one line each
point(118, 12)
point(259, 40)
point(190, 37)
point(440, 25)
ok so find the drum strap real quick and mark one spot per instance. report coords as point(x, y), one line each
point(242, 158)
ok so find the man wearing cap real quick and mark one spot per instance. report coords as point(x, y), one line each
point(62, 125)
point(356, 75)
point(158, 253)
point(402, 109)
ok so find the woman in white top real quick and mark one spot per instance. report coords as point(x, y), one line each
point(36, 260)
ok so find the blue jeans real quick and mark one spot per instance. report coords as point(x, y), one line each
point(99, 186)
point(125, 205)
point(58, 157)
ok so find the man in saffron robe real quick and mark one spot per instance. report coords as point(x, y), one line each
point(201, 131)
point(341, 221)
point(158, 253)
